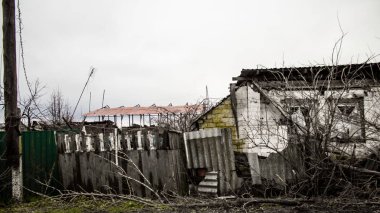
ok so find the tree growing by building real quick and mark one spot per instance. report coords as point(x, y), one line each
point(328, 114)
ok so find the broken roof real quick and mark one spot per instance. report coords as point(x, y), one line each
point(139, 110)
point(211, 109)
point(357, 71)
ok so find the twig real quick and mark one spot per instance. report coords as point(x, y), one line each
point(242, 201)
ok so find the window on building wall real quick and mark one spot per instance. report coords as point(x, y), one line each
point(302, 113)
point(349, 124)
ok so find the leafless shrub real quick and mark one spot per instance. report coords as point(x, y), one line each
point(321, 111)
point(328, 132)
point(182, 121)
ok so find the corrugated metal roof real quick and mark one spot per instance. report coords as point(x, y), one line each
point(366, 70)
point(250, 72)
point(139, 110)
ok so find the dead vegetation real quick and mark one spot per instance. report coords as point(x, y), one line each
point(332, 133)
point(95, 202)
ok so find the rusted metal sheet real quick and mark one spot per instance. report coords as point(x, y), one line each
point(212, 149)
point(139, 110)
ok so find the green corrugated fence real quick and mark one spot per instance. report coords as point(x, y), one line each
point(40, 165)
point(39, 158)
point(5, 172)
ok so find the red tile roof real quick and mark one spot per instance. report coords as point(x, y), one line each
point(138, 110)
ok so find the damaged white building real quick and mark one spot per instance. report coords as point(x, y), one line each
point(268, 108)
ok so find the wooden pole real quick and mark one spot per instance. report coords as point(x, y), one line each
point(12, 117)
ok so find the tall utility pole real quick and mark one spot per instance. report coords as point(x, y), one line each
point(12, 118)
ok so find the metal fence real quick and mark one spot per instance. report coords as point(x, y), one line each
point(39, 165)
point(5, 172)
point(211, 149)
point(93, 160)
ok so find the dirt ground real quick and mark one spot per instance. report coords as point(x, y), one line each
point(111, 206)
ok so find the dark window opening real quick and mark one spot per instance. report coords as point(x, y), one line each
point(349, 123)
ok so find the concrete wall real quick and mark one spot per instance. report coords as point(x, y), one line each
point(122, 163)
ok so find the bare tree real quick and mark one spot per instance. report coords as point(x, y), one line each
point(329, 114)
point(58, 109)
point(322, 120)
point(30, 106)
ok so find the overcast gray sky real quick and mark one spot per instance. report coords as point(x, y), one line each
point(167, 51)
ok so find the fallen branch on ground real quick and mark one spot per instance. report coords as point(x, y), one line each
point(362, 170)
point(242, 201)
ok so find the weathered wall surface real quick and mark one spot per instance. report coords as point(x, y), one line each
point(277, 168)
point(253, 135)
point(248, 110)
point(371, 102)
point(122, 163)
point(222, 117)
point(371, 115)
point(262, 128)
point(212, 149)
point(259, 127)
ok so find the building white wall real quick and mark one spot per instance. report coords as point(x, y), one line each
point(260, 122)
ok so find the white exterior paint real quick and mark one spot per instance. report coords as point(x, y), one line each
point(101, 142)
point(258, 127)
point(17, 182)
point(259, 121)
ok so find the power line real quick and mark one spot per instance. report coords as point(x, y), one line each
point(23, 62)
